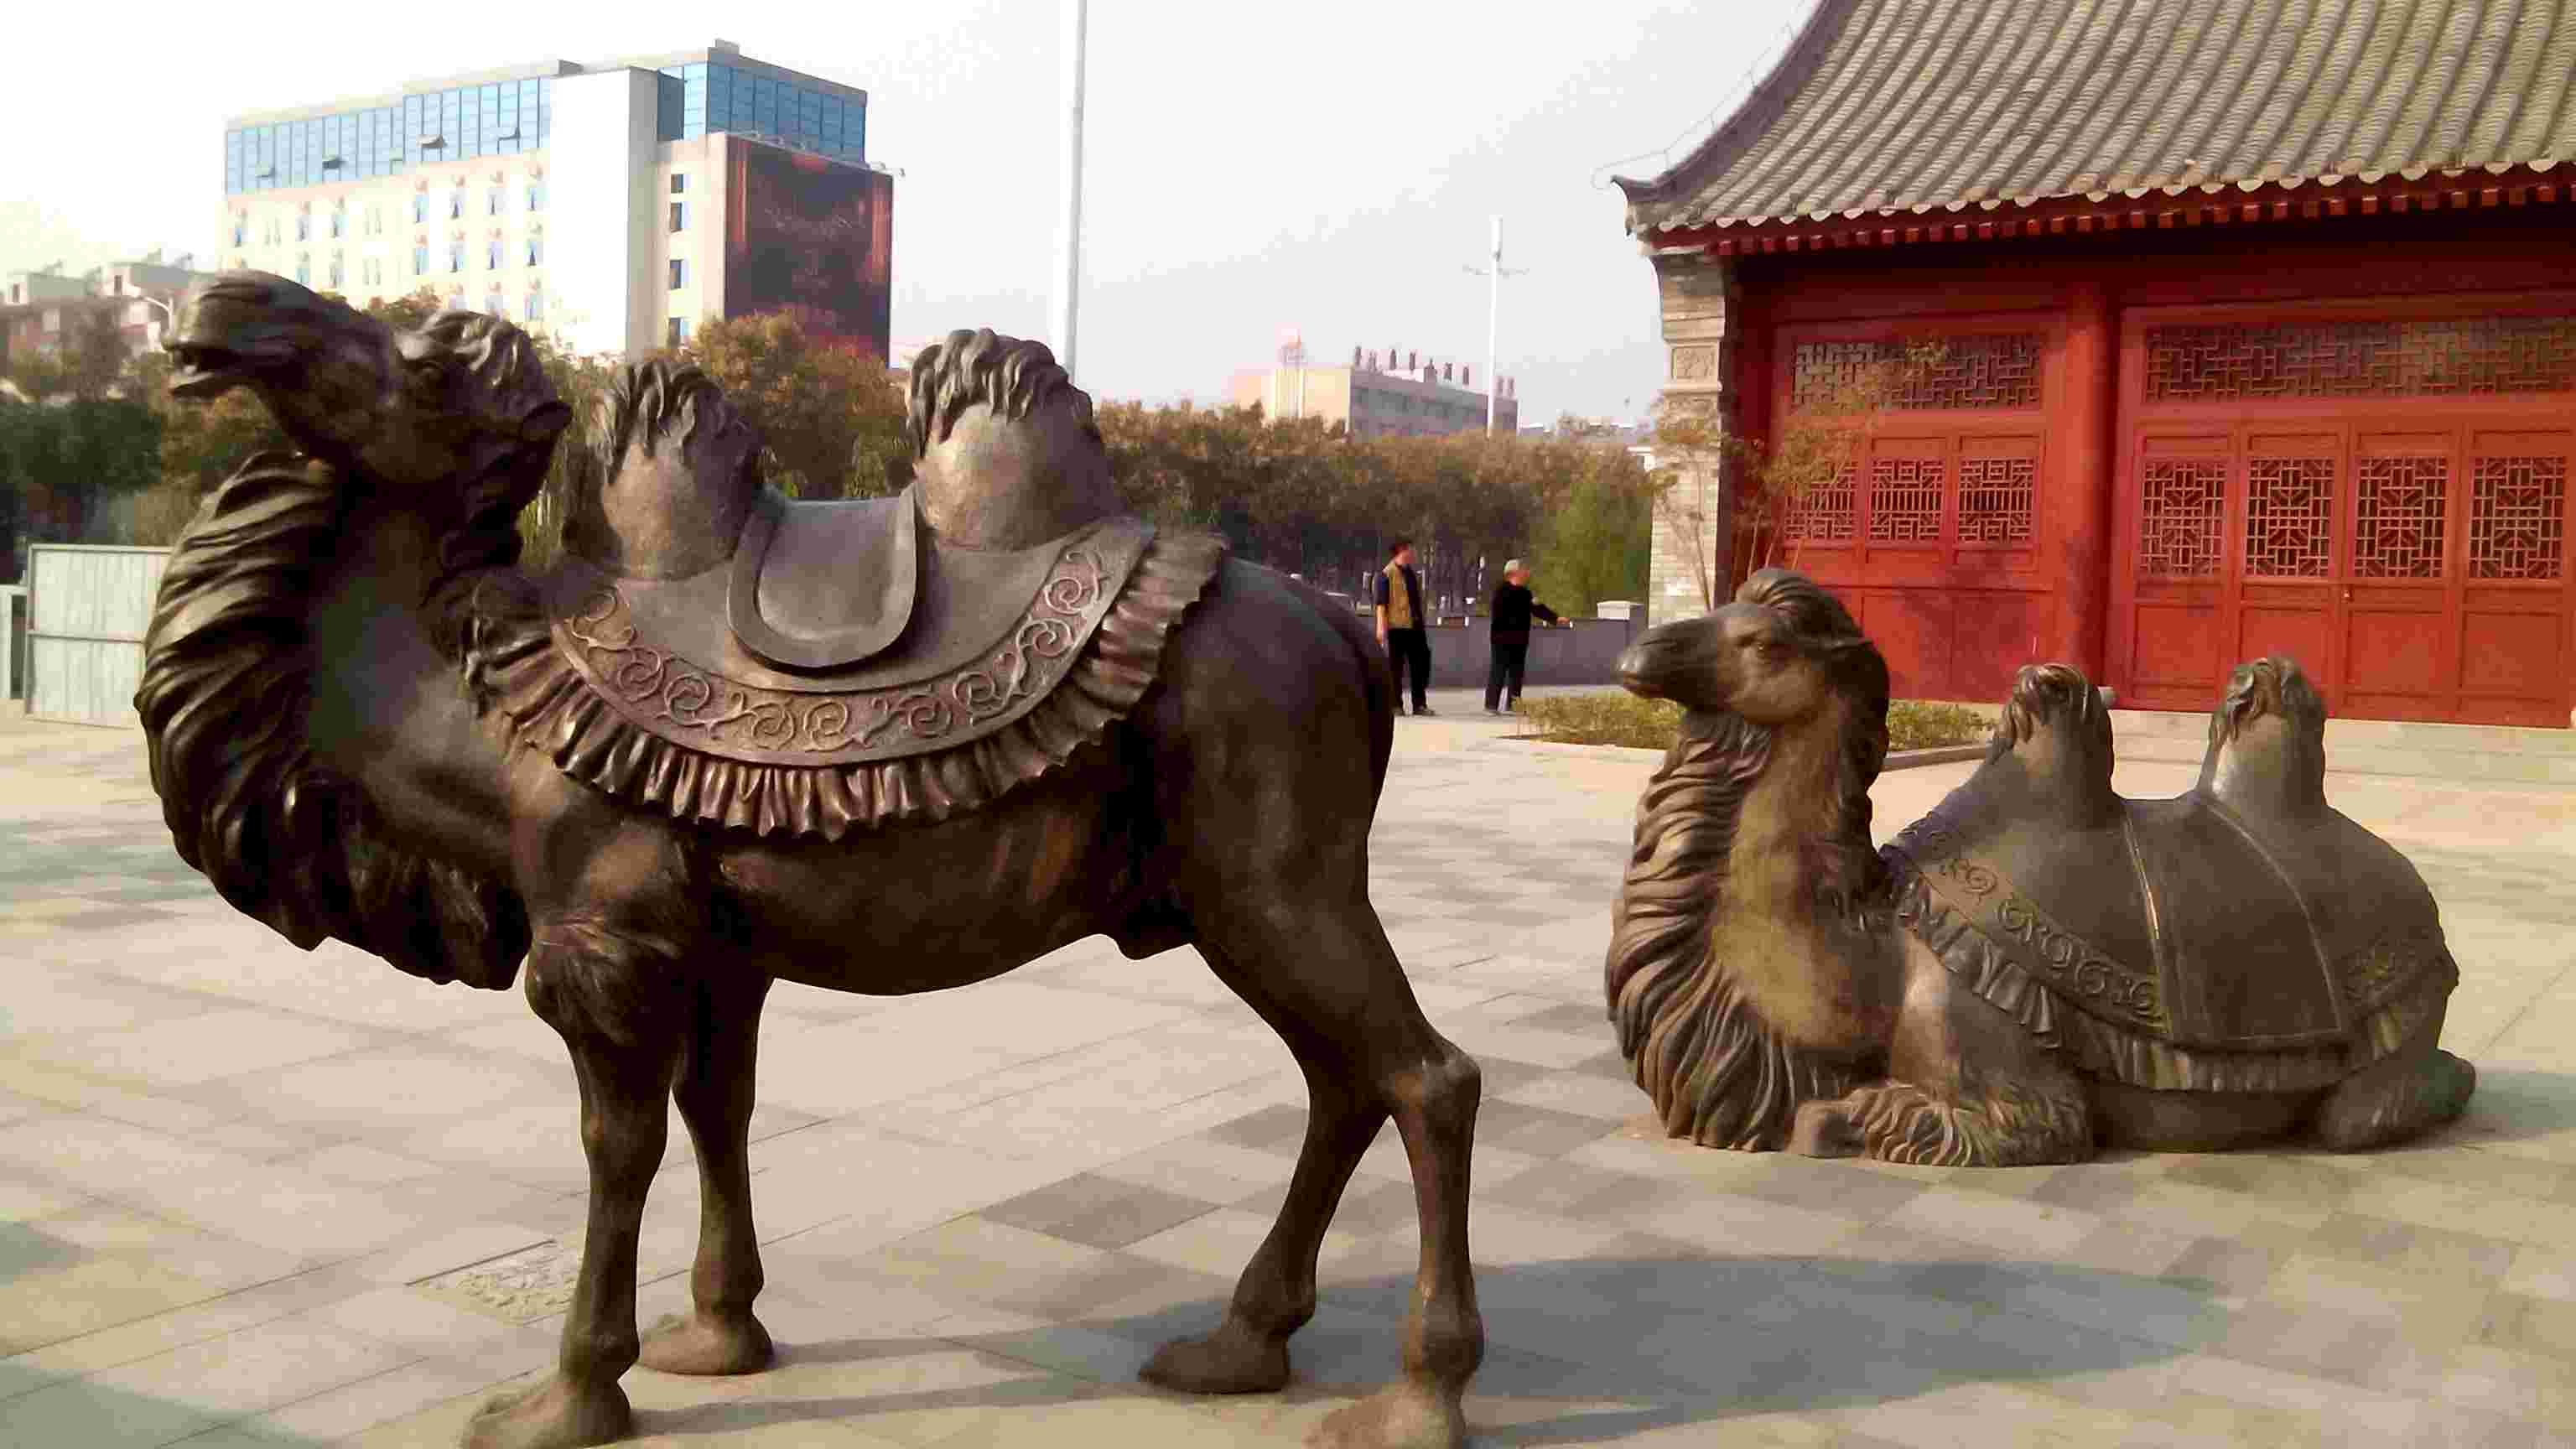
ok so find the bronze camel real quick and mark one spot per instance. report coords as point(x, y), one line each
point(941, 737)
point(2036, 969)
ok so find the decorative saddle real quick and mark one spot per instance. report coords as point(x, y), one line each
point(824, 585)
point(844, 667)
point(2181, 944)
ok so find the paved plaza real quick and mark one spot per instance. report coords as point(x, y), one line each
point(256, 1197)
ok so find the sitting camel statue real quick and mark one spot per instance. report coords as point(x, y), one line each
point(729, 739)
point(2037, 969)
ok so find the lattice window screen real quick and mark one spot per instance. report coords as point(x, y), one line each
point(1905, 500)
point(2289, 517)
point(2518, 518)
point(2451, 356)
point(1825, 515)
point(1996, 498)
point(2397, 533)
point(1969, 372)
point(2183, 501)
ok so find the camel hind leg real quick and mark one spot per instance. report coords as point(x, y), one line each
point(1329, 983)
point(2403, 1095)
point(1967, 1087)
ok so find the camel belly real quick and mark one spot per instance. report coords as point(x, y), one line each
point(2151, 1121)
point(919, 908)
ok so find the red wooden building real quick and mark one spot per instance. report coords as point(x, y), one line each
point(2256, 326)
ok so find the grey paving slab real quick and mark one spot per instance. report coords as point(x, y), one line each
point(251, 1196)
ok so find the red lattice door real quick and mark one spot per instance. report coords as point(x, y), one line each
point(2409, 549)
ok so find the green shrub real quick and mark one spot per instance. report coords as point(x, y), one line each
point(1616, 717)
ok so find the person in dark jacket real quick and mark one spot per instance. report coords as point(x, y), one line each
point(1513, 610)
point(1402, 616)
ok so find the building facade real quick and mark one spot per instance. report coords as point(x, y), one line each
point(2190, 342)
point(41, 311)
point(615, 205)
point(1401, 395)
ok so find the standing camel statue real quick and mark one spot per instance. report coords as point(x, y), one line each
point(881, 747)
point(2036, 969)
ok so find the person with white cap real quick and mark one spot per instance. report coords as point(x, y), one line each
point(1513, 610)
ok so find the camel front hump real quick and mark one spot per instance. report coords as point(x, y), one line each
point(2230, 966)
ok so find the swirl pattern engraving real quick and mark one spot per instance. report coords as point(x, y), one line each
point(2064, 959)
point(706, 708)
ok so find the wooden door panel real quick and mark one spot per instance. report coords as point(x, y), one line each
point(1996, 634)
point(2514, 656)
point(2305, 634)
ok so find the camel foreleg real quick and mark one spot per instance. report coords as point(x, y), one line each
point(620, 1009)
point(1967, 1087)
point(720, 1335)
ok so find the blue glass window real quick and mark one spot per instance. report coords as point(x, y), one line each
point(677, 335)
point(420, 260)
point(335, 269)
point(456, 256)
point(493, 304)
point(492, 203)
point(679, 216)
point(536, 305)
point(419, 206)
point(536, 250)
point(536, 196)
point(679, 273)
point(679, 182)
point(240, 229)
point(303, 226)
point(492, 254)
point(456, 203)
point(339, 219)
point(303, 270)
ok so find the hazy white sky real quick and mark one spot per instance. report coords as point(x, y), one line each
point(1328, 166)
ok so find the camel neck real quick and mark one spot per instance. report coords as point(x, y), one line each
point(389, 710)
point(1794, 807)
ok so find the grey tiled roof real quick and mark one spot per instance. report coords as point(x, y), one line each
point(1895, 106)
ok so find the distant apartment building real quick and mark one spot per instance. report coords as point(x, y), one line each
point(615, 204)
point(1398, 394)
point(40, 310)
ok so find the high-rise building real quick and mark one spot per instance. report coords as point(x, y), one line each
point(615, 204)
point(1402, 394)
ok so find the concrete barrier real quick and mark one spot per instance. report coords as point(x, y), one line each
point(1588, 653)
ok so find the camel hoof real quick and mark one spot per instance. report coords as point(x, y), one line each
point(1400, 1416)
point(557, 1414)
point(692, 1343)
point(1824, 1129)
point(1232, 1360)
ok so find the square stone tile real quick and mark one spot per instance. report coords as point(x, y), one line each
point(204, 1046)
point(1097, 1212)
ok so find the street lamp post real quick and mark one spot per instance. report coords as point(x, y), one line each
point(1495, 272)
point(1068, 242)
point(169, 316)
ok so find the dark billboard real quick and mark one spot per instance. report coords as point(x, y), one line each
point(810, 237)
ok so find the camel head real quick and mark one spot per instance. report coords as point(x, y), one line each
point(1779, 653)
point(463, 398)
point(2267, 741)
point(1008, 452)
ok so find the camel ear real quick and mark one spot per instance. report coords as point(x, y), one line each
point(542, 423)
